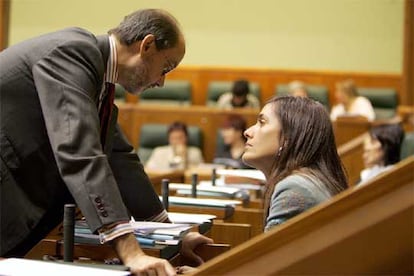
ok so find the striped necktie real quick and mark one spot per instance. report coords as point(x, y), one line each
point(106, 110)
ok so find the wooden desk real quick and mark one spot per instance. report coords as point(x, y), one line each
point(348, 127)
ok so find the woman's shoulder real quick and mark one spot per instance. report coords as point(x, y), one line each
point(302, 184)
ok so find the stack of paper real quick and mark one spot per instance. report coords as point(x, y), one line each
point(160, 233)
point(24, 267)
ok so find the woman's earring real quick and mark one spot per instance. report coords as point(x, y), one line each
point(279, 152)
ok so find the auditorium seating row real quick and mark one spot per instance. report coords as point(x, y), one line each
point(179, 92)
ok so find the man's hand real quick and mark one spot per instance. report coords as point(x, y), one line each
point(147, 265)
point(132, 256)
point(190, 242)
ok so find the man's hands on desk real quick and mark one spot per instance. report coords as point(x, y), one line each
point(138, 262)
point(190, 242)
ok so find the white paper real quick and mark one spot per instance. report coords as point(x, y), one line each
point(250, 173)
point(189, 218)
point(24, 267)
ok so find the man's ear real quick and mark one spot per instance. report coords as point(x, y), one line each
point(148, 44)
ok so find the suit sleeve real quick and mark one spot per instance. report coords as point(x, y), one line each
point(136, 189)
point(67, 81)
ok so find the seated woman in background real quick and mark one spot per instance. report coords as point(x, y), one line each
point(177, 154)
point(293, 144)
point(381, 150)
point(233, 143)
point(297, 89)
point(350, 103)
point(239, 96)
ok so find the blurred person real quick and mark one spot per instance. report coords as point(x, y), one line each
point(239, 96)
point(350, 103)
point(382, 149)
point(297, 89)
point(177, 154)
point(234, 141)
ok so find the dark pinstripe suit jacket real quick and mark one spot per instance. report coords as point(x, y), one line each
point(50, 151)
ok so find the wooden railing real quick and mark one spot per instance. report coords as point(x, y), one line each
point(363, 230)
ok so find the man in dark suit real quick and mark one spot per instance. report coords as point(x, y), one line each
point(53, 147)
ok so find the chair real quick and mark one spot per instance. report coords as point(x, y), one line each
point(119, 93)
point(407, 146)
point(383, 100)
point(174, 92)
point(154, 135)
point(319, 93)
point(217, 88)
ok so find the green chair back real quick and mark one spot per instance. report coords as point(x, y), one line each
point(319, 93)
point(174, 92)
point(383, 100)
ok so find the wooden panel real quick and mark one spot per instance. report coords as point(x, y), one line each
point(347, 128)
point(363, 230)
point(351, 156)
point(200, 76)
point(408, 58)
point(4, 23)
point(230, 233)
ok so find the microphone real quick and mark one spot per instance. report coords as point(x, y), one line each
point(68, 232)
point(165, 190)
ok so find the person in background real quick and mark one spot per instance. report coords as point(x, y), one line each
point(297, 89)
point(232, 133)
point(177, 154)
point(293, 144)
point(239, 96)
point(381, 150)
point(350, 103)
point(59, 141)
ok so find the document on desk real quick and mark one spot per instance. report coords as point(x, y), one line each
point(24, 267)
point(249, 173)
point(190, 218)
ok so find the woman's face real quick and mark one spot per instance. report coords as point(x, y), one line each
point(373, 152)
point(341, 96)
point(177, 137)
point(263, 138)
point(231, 135)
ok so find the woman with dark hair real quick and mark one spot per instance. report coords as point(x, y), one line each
point(177, 154)
point(230, 151)
point(239, 96)
point(381, 149)
point(293, 144)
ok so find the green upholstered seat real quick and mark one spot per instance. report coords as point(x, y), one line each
point(154, 135)
point(217, 88)
point(119, 93)
point(407, 146)
point(174, 92)
point(383, 100)
point(319, 93)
